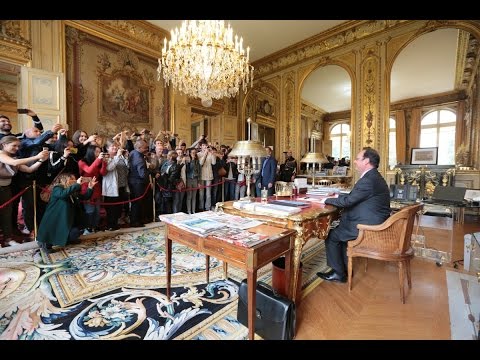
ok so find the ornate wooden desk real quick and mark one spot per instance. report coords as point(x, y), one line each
point(281, 242)
point(313, 221)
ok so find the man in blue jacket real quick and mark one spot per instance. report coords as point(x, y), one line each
point(368, 203)
point(268, 173)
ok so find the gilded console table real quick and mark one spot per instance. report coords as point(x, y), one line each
point(313, 221)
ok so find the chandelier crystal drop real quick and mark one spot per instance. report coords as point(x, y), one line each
point(205, 60)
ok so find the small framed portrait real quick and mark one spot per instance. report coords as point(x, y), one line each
point(424, 156)
point(340, 170)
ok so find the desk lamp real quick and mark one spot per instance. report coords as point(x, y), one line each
point(313, 157)
point(249, 154)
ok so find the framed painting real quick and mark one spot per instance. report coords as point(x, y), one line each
point(124, 97)
point(339, 171)
point(424, 156)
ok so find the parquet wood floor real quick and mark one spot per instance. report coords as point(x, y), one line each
point(373, 310)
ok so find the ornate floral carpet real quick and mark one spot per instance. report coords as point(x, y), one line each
point(113, 288)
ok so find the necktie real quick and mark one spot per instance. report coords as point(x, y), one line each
point(264, 163)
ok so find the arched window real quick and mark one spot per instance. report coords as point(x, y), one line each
point(340, 136)
point(392, 144)
point(438, 129)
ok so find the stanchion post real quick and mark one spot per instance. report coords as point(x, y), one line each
point(34, 189)
point(223, 189)
point(152, 184)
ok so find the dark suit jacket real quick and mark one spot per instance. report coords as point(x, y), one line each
point(269, 171)
point(138, 173)
point(368, 203)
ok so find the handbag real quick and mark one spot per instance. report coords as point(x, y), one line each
point(47, 191)
point(275, 315)
point(180, 185)
point(222, 172)
point(6, 171)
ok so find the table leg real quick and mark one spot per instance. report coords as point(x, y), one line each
point(288, 273)
point(297, 253)
point(225, 270)
point(168, 255)
point(252, 297)
point(207, 267)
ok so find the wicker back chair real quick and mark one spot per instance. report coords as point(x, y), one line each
point(324, 182)
point(390, 241)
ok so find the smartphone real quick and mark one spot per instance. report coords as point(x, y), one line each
point(73, 150)
point(22, 111)
point(45, 148)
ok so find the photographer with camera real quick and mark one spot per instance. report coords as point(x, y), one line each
point(94, 164)
point(6, 125)
point(114, 185)
point(207, 159)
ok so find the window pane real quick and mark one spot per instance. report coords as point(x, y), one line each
point(336, 147)
point(428, 137)
point(392, 150)
point(392, 123)
point(430, 118)
point(446, 148)
point(447, 116)
point(345, 129)
point(345, 147)
point(336, 129)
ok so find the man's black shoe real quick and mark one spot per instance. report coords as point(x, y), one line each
point(332, 276)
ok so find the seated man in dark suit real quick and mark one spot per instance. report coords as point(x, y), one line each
point(368, 203)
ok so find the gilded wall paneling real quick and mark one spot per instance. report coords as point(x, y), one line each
point(287, 134)
point(15, 44)
point(215, 129)
point(47, 44)
point(370, 84)
point(182, 122)
point(230, 135)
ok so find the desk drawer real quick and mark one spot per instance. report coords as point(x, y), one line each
point(182, 236)
point(225, 250)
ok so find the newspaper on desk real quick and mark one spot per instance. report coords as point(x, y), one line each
point(232, 221)
point(230, 228)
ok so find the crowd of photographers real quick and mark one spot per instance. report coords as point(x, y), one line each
point(130, 177)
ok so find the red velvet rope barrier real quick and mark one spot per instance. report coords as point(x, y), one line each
point(242, 183)
point(16, 196)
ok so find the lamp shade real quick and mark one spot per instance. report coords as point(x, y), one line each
point(250, 148)
point(314, 158)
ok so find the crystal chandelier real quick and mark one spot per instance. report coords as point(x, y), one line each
point(205, 60)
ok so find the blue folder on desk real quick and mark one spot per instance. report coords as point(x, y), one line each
point(290, 203)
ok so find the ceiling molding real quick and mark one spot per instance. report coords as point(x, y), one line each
point(316, 45)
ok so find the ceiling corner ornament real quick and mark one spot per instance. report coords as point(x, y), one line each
point(205, 60)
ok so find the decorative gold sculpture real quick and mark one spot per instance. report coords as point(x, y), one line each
point(462, 156)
